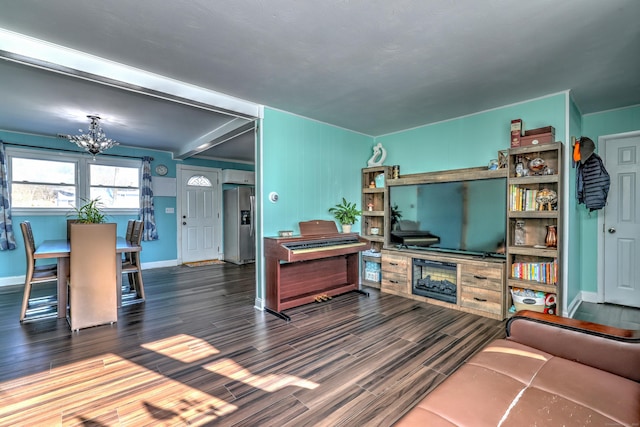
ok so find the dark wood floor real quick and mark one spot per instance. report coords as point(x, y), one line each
point(609, 314)
point(197, 352)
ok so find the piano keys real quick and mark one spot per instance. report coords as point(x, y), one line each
point(320, 262)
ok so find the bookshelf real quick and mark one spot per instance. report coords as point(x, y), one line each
point(375, 217)
point(534, 226)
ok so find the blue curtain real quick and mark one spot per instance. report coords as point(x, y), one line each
point(147, 211)
point(7, 239)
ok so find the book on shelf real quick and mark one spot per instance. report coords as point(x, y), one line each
point(522, 199)
point(542, 272)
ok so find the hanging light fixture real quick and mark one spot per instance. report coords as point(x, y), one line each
point(95, 141)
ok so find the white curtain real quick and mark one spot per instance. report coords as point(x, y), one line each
point(147, 211)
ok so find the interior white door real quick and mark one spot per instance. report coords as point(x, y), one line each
point(199, 215)
point(622, 222)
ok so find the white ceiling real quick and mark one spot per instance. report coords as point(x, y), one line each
point(374, 67)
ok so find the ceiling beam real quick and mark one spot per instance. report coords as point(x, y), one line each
point(224, 133)
point(38, 53)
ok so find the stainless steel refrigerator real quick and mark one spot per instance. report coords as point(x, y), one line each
point(239, 229)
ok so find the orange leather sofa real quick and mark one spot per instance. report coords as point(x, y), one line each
point(549, 371)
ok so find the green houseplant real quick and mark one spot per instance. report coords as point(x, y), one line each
point(396, 214)
point(345, 213)
point(90, 212)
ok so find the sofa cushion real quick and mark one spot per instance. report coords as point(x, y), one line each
point(472, 396)
point(536, 407)
point(613, 396)
point(511, 384)
point(511, 358)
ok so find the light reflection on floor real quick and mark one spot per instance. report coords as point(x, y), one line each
point(111, 387)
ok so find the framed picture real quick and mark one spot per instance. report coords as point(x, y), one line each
point(503, 158)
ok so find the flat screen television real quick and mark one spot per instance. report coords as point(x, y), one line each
point(456, 216)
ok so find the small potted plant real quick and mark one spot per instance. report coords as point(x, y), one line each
point(396, 214)
point(346, 214)
point(90, 212)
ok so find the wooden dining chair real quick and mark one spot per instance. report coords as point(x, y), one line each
point(127, 237)
point(92, 275)
point(130, 224)
point(131, 265)
point(35, 274)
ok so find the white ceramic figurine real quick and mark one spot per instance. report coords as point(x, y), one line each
point(378, 150)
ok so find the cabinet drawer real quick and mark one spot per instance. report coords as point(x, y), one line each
point(481, 299)
point(394, 281)
point(483, 277)
point(394, 264)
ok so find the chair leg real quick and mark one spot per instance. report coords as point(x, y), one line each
point(139, 284)
point(25, 300)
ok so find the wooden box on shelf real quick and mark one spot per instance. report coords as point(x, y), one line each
point(534, 220)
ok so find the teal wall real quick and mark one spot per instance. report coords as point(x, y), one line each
point(311, 166)
point(472, 140)
point(594, 126)
point(572, 226)
point(13, 263)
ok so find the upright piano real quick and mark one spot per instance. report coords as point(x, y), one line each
point(320, 263)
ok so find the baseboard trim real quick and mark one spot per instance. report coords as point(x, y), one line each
point(574, 304)
point(159, 264)
point(590, 297)
point(259, 304)
point(11, 281)
point(19, 280)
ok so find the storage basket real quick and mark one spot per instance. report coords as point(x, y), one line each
point(372, 276)
point(372, 271)
point(533, 303)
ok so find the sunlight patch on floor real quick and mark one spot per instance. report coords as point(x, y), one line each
point(270, 382)
point(110, 384)
point(183, 348)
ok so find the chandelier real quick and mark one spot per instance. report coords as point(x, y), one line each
point(95, 141)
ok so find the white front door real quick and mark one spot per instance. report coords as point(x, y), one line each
point(622, 222)
point(199, 222)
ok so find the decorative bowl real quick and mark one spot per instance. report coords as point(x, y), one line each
point(537, 165)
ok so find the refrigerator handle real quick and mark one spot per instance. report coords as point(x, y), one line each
point(252, 202)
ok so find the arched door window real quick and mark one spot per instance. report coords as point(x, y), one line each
point(199, 181)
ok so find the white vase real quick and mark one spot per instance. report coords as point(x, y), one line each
point(346, 228)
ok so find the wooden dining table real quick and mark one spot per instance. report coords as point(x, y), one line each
point(61, 249)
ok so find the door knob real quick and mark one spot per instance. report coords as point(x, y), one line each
point(612, 230)
point(184, 223)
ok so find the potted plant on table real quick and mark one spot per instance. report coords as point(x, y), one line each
point(90, 212)
point(346, 214)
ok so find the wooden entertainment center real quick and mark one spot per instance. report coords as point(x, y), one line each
point(468, 282)
point(479, 282)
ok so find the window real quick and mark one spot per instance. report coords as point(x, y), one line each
point(199, 181)
point(42, 183)
point(46, 183)
point(116, 186)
